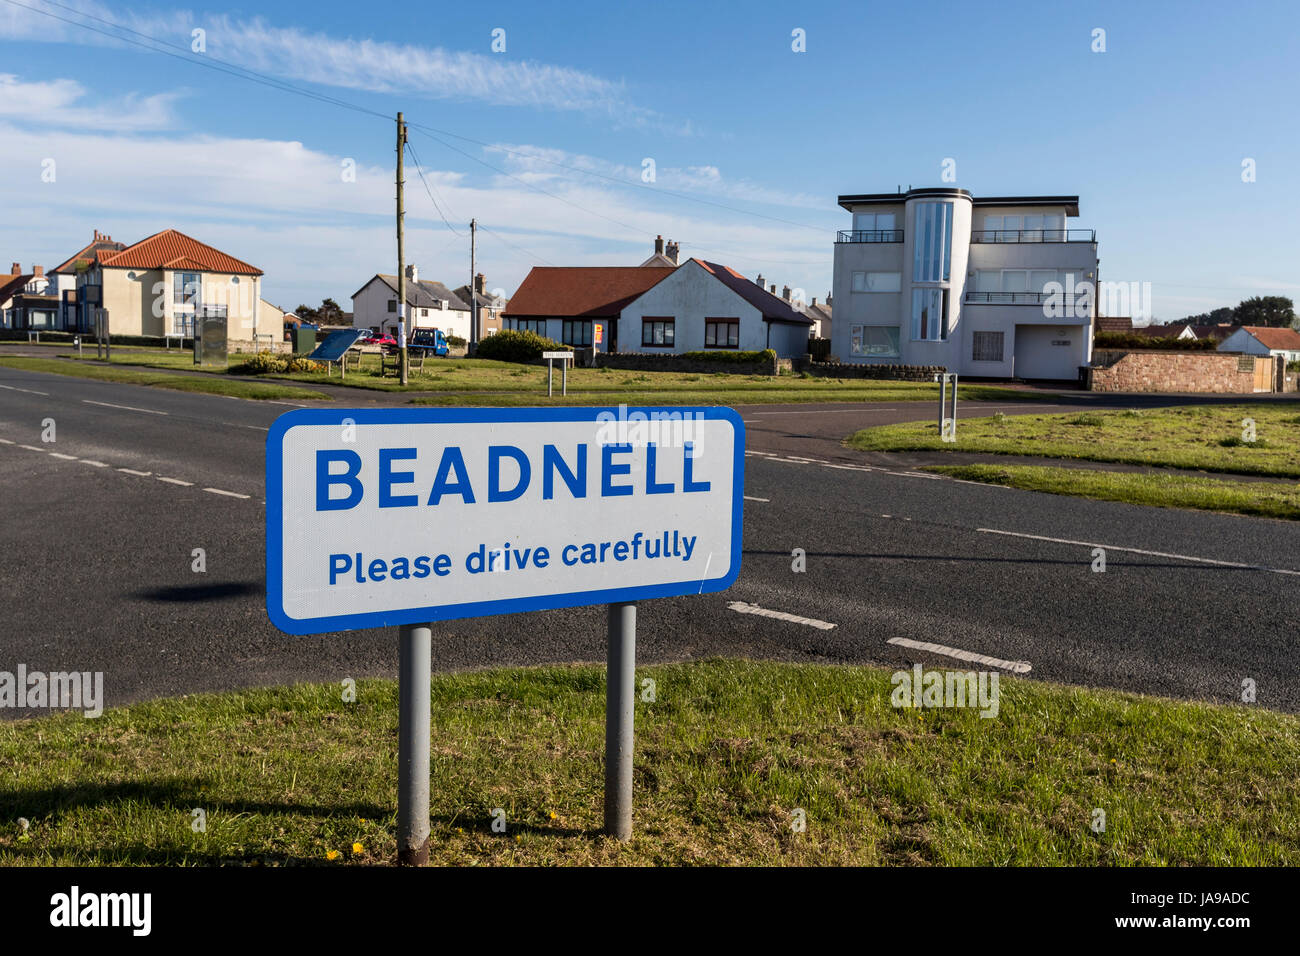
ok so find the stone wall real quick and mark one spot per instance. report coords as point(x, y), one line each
point(1115, 370)
point(898, 373)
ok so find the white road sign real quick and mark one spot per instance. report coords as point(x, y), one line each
point(381, 517)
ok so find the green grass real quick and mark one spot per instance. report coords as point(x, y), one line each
point(212, 385)
point(488, 382)
point(1205, 437)
point(1263, 498)
point(725, 755)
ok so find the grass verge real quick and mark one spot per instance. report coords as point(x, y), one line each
point(1206, 437)
point(725, 756)
point(486, 382)
point(208, 384)
point(1262, 498)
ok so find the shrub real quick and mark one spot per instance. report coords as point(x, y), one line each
point(513, 345)
point(819, 349)
point(455, 341)
point(263, 363)
point(1129, 340)
point(300, 363)
point(1293, 366)
point(1091, 419)
point(765, 355)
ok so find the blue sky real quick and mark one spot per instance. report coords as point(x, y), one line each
point(1151, 134)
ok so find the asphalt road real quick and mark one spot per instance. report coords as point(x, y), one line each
point(96, 545)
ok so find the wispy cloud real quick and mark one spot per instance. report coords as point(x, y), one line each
point(542, 164)
point(59, 103)
point(351, 63)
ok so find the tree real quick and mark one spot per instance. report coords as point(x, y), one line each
point(329, 313)
point(1213, 317)
point(1272, 310)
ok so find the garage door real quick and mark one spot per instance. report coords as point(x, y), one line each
point(1048, 351)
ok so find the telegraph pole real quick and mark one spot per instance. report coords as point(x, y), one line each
point(473, 288)
point(404, 332)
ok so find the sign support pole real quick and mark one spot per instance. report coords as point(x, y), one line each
point(620, 706)
point(414, 689)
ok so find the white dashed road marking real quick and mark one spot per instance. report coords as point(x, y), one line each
point(132, 471)
point(1149, 554)
point(93, 463)
point(31, 448)
point(230, 494)
point(742, 607)
point(55, 454)
point(176, 481)
point(1015, 667)
point(129, 408)
point(29, 391)
point(752, 498)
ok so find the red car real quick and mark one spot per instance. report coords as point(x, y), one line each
point(384, 341)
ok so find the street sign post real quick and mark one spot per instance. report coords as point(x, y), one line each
point(947, 417)
point(401, 517)
point(565, 358)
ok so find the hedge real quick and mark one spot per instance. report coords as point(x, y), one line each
point(712, 355)
point(1128, 340)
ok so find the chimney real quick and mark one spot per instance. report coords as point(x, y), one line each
point(830, 303)
point(17, 269)
point(672, 251)
point(814, 302)
point(785, 293)
point(758, 279)
point(96, 235)
point(38, 270)
point(772, 289)
point(478, 284)
point(659, 245)
point(412, 274)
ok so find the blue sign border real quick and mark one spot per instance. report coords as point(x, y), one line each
point(449, 612)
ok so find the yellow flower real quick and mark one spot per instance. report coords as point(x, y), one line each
point(357, 848)
point(518, 837)
point(552, 814)
point(332, 854)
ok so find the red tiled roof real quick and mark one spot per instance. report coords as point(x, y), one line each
point(1114, 323)
point(12, 285)
point(98, 246)
point(589, 291)
point(162, 249)
point(1161, 331)
point(768, 305)
point(1273, 338)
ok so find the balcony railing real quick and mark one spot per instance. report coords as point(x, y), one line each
point(870, 235)
point(1035, 235)
point(1020, 298)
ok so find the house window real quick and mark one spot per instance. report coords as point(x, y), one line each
point(986, 347)
point(721, 333)
point(877, 281)
point(879, 341)
point(186, 288)
point(929, 306)
point(657, 330)
point(392, 305)
point(873, 221)
point(576, 332)
point(531, 325)
point(932, 257)
point(1048, 227)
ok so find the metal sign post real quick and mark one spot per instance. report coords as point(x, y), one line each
point(620, 709)
point(947, 418)
point(565, 358)
point(418, 515)
point(415, 661)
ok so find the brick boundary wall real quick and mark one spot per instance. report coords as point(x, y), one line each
point(898, 373)
point(654, 362)
point(1116, 370)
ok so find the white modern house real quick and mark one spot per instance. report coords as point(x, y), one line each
point(995, 287)
point(431, 305)
point(694, 306)
point(1264, 340)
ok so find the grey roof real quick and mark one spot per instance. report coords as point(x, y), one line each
point(425, 294)
point(486, 300)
